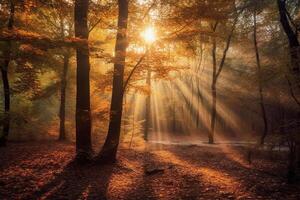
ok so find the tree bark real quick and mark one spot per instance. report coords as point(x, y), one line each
point(83, 111)
point(291, 34)
point(213, 113)
point(6, 120)
point(109, 150)
point(213, 92)
point(260, 89)
point(294, 52)
point(62, 109)
point(5, 80)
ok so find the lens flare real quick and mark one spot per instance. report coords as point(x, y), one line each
point(149, 35)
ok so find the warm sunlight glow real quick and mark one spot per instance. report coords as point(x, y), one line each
point(149, 35)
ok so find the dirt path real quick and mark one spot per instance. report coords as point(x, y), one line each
point(41, 171)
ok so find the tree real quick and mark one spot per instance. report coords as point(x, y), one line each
point(216, 73)
point(4, 72)
point(291, 34)
point(109, 150)
point(291, 30)
point(259, 73)
point(83, 111)
point(63, 86)
point(63, 82)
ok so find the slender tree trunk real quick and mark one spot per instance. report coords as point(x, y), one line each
point(260, 89)
point(109, 150)
point(213, 114)
point(213, 93)
point(217, 71)
point(62, 109)
point(199, 94)
point(199, 102)
point(4, 72)
point(198, 108)
point(83, 111)
point(292, 161)
point(148, 107)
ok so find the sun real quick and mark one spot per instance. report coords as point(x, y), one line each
point(149, 35)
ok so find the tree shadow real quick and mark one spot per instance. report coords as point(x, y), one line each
point(77, 182)
point(183, 173)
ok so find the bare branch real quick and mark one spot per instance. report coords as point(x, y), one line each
point(133, 70)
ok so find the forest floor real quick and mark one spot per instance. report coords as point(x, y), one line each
point(42, 171)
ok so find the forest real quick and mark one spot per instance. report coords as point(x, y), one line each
point(149, 99)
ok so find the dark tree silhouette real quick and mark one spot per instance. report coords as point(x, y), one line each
point(62, 108)
point(294, 44)
point(83, 110)
point(259, 73)
point(4, 72)
point(109, 150)
point(291, 34)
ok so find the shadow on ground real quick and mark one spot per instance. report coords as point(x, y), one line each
point(168, 172)
point(77, 182)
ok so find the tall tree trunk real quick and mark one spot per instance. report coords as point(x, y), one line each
point(109, 150)
point(213, 93)
point(148, 107)
point(4, 72)
point(83, 111)
point(6, 120)
point(213, 113)
point(199, 94)
point(294, 52)
point(260, 89)
point(62, 109)
point(292, 36)
point(217, 71)
point(295, 67)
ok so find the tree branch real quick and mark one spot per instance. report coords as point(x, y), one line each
point(133, 70)
point(228, 45)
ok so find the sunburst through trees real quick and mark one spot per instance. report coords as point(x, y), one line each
point(144, 90)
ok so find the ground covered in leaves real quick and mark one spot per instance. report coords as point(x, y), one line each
point(42, 171)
